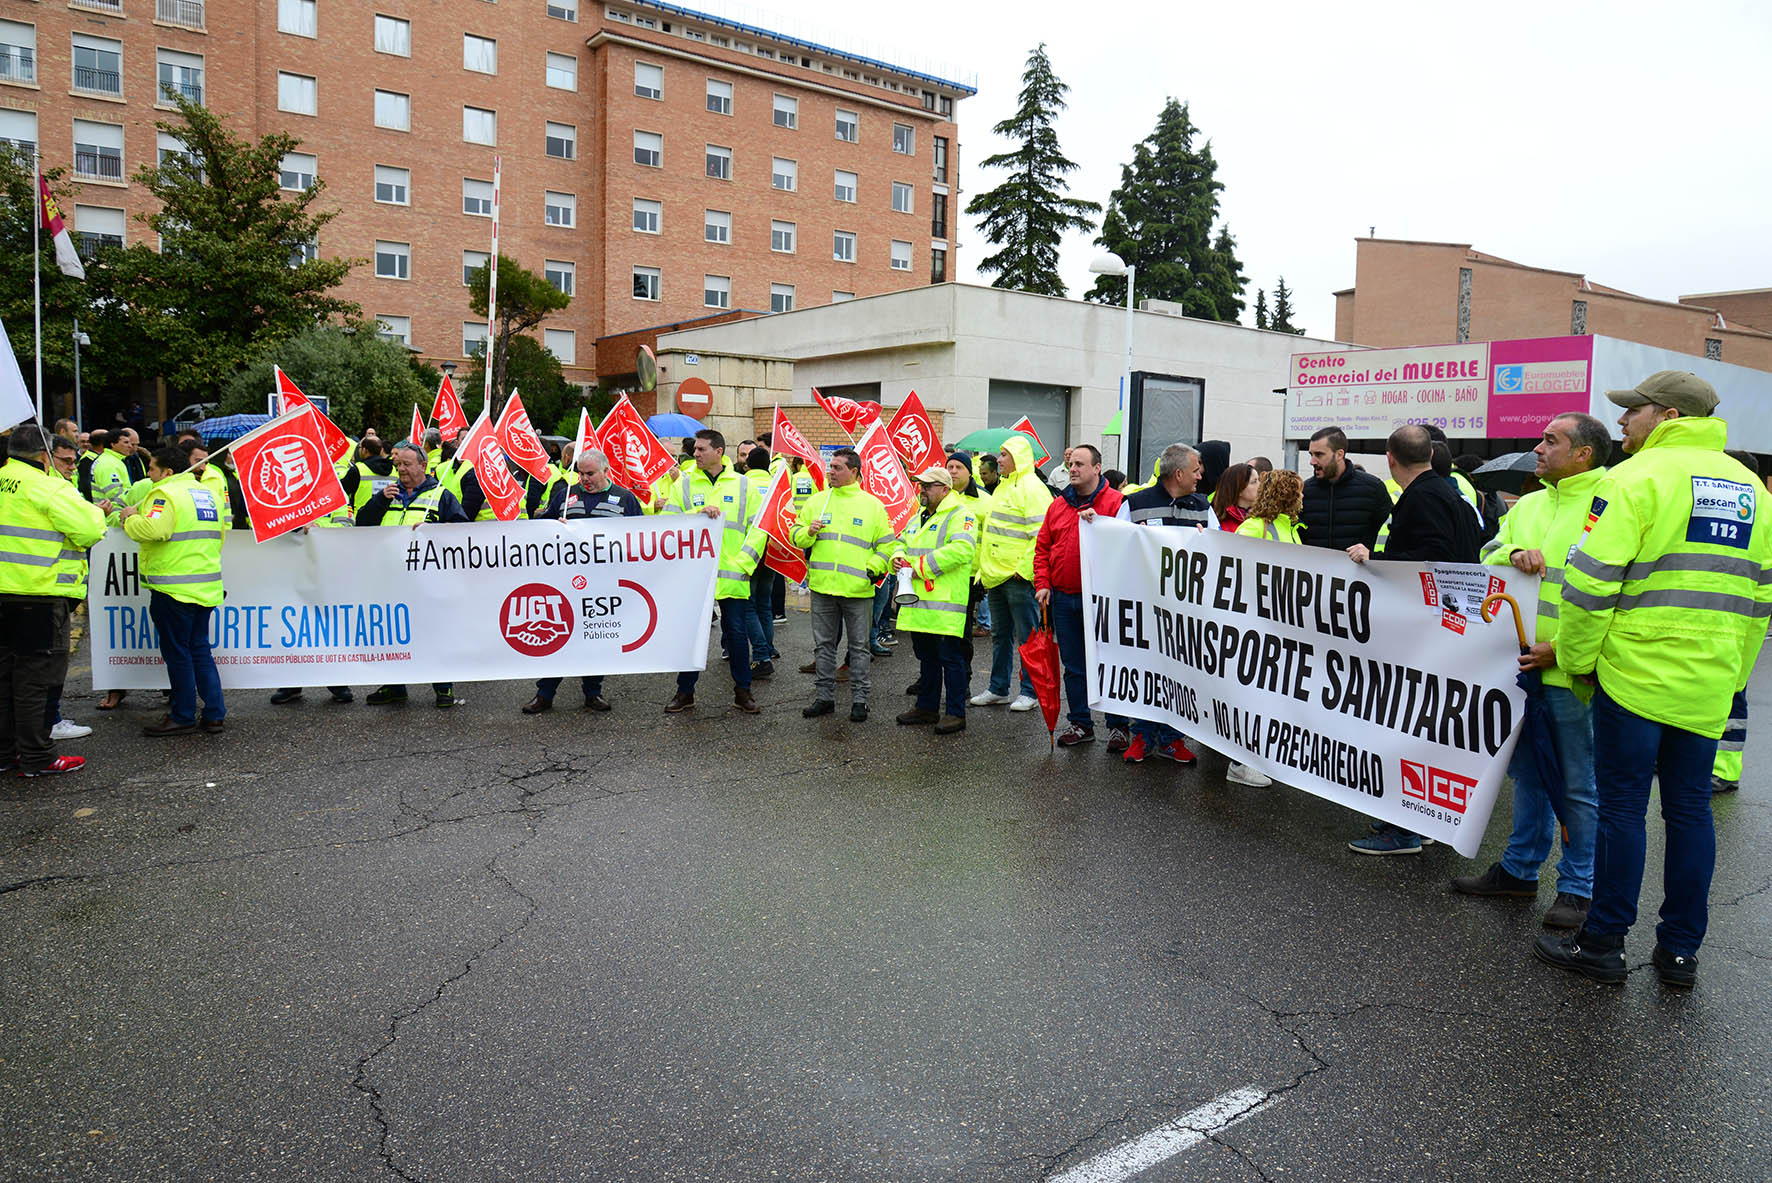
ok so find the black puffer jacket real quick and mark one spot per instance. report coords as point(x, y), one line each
point(1344, 511)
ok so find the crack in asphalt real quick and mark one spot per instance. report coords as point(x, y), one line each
point(1745, 896)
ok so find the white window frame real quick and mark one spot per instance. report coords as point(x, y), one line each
point(393, 110)
point(561, 274)
point(717, 222)
point(294, 89)
point(845, 192)
point(652, 144)
point(560, 209)
point(480, 194)
point(782, 237)
point(648, 80)
point(563, 10)
point(654, 283)
point(97, 220)
point(569, 140)
point(187, 63)
point(394, 328)
point(396, 181)
point(474, 332)
point(903, 198)
point(96, 45)
point(298, 18)
point(719, 103)
point(472, 261)
point(781, 297)
point(723, 156)
point(901, 255)
point(21, 63)
point(841, 239)
point(400, 253)
point(474, 126)
point(561, 71)
point(393, 35)
point(100, 141)
point(293, 163)
point(648, 215)
point(785, 112)
point(850, 121)
point(716, 291)
point(562, 343)
point(905, 134)
point(778, 175)
point(479, 55)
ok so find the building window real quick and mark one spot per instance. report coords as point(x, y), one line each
point(904, 139)
point(784, 174)
point(562, 71)
point(298, 17)
point(393, 260)
point(297, 93)
point(297, 172)
point(476, 198)
point(719, 97)
point(716, 291)
point(96, 227)
point(181, 73)
point(393, 35)
point(472, 261)
point(719, 162)
point(561, 209)
point(901, 255)
point(646, 283)
point(840, 297)
point(304, 252)
point(562, 343)
point(473, 338)
point(845, 186)
point(98, 151)
point(781, 297)
point(648, 80)
point(649, 149)
point(98, 65)
point(941, 158)
point(717, 226)
point(781, 237)
point(563, 10)
point(787, 111)
point(393, 110)
point(394, 328)
point(563, 277)
point(938, 215)
point(938, 265)
point(479, 126)
point(479, 54)
point(18, 52)
point(562, 141)
point(901, 197)
point(391, 185)
point(174, 150)
point(19, 129)
point(843, 246)
point(848, 126)
point(647, 215)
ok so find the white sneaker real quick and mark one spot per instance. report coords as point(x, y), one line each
point(68, 729)
point(984, 698)
point(1024, 702)
point(1242, 774)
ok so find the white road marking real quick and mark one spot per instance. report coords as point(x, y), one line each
point(1168, 1139)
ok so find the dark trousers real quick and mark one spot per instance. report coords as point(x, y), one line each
point(941, 660)
point(735, 634)
point(762, 615)
point(778, 596)
point(1068, 624)
point(592, 684)
point(33, 665)
point(190, 667)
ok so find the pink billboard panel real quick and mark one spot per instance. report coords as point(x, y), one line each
point(1533, 381)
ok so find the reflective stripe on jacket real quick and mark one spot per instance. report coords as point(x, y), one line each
point(852, 549)
point(180, 530)
point(1549, 520)
point(45, 528)
point(940, 551)
point(1282, 529)
point(1018, 506)
point(740, 502)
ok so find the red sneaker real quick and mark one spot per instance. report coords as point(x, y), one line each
point(59, 764)
point(1177, 751)
point(1137, 750)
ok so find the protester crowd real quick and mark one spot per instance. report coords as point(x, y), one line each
point(1656, 587)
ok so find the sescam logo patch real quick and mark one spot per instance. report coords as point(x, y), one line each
point(1722, 513)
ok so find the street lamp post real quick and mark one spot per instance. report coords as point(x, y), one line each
point(79, 340)
point(1111, 264)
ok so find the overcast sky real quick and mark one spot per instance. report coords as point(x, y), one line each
point(1629, 141)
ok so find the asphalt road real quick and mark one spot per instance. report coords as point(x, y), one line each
point(343, 941)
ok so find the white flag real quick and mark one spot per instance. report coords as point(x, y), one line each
point(15, 400)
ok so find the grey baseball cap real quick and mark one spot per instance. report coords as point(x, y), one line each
point(1685, 392)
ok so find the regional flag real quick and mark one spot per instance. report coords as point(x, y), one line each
point(337, 444)
point(446, 412)
point(285, 475)
point(776, 518)
point(517, 437)
point(850, 415)
point(883, 475)
point(50, 216)
point(788, 440)
point(480, 449)
point(913, 434)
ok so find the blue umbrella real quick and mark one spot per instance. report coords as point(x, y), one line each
point(1539, 735)
point(672, 423)
point(227, 427)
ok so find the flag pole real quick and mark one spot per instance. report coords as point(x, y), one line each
point(492, 286)
point(37, 269)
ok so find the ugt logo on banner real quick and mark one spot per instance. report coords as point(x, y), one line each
point(536, 620)
point(285, 475)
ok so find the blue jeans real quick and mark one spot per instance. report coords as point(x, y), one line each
point(942, 659)
point(763, 613)
point(1155, 734)
point(190, 667)
point(983, 610)
point(1013, 608)
point(735, 634)
point(1068, 625)
point(882, 606)
point(1628, 751)
point(1535, 818)
point(546, 688)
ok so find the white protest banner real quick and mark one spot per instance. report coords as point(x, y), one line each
point(436, 603)
point(1377, 686)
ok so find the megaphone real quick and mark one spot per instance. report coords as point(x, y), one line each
point(907, 592)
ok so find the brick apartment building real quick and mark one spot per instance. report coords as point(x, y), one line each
point(1429, 293)
point(659, 164)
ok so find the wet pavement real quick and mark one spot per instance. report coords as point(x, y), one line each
point(343, 941)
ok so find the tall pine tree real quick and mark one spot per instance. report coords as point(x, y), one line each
point(1261, 316)
point(1161, 220)
point(1029, 213)
point(1281, 320)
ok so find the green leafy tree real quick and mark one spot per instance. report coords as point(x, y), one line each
point(1161, 219)
point(221, 288)
point(1261, 317)
point(547, 396)
point(1281, 321)
point(1028, 214)
point(64, 297)
point(369, 381)
point(525, 299)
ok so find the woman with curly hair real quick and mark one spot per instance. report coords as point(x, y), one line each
point(1235, 495)
point(1277, 507)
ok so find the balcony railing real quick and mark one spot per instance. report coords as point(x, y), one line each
point(18, 63)
point(97, 165)
point(97, 81)
point(107, 5)
point(180, 12)
point(191, 90)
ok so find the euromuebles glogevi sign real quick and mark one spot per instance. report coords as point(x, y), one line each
point(1375, 685)
point(436, 603)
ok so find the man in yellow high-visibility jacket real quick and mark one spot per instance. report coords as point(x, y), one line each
point(938, 549)
point(1665, 603)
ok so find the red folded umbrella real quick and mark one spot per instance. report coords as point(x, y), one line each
point(1039, 661)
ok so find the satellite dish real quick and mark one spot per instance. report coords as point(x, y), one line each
point(646, 366)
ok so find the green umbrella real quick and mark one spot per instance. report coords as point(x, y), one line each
point(990, 439)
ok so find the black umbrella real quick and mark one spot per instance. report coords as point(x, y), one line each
point(1506, 474)
point(1539, 734)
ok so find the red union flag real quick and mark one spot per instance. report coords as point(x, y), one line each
point(636, 459)
point(285, 475)
point(850, 415)
point(883, 475)
point(416, 433)
point(787, 440)
point(446, 412)
point(481, 449)
point(518, 439)
point(1026, 427)
point(913, 434)
point(335, 443)
point(775, 520)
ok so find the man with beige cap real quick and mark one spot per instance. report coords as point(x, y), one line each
point(937, 551)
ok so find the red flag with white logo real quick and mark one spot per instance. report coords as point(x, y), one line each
point(480, 449)
point(883, 475)
point(1026, 427)
point(776, 518)
point(788, 440)
point(850, 415)
point(337, 444)
point(285, 475)
point(913, 434)
point(517, 437)
point(416, 433)
point(446, 412)
point(636, 459)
